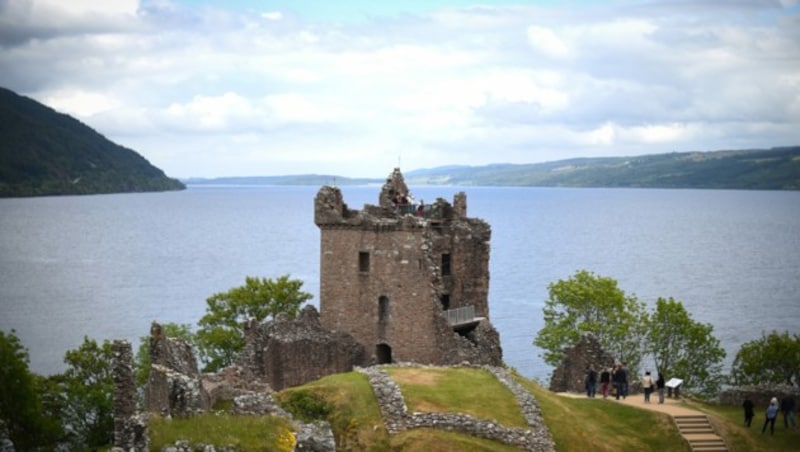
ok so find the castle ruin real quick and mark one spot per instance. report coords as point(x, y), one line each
point(409, 282)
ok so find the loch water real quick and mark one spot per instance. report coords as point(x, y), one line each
point(106, 266)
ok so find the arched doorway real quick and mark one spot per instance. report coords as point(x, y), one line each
point(383, 353)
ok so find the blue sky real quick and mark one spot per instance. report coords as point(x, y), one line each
point(205, 88)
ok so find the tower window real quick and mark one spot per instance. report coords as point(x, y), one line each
point(383, 310)
point(446, 264)
point(445, 300)
point(363, 262)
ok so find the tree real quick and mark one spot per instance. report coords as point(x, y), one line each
point(88, 388)
point(684, 348)
point(22, 419)
point(590, 304)
point(142, 361)
point(772, 359)
point(221, 333)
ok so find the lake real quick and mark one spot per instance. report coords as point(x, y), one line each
point(106, 266)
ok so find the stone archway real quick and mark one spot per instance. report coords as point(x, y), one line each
point(383, 353)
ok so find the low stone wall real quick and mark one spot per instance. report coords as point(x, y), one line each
point(760, 395)
point(396, 417)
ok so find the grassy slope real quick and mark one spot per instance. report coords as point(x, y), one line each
point(576, 424)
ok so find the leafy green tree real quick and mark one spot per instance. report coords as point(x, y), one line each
point(22, 418)
point(684, 348)
point(774, 358)
point(221, 333)
point(590, 304)
point(142, 361)
point(88, 388)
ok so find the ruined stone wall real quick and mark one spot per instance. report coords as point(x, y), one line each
point(290, 352)
point(350, 299)
point(469, 247)
point(570, 375)
point(173, 387)
point(130, 427)
point(760, 395)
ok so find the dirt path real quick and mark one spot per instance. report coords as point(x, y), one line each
point(672, 407)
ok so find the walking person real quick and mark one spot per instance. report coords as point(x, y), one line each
point(605, 379)
point(748, 412)
point(616, 374)
point(787, 408)
point(623, 380)
point(647, 384)
point(591, 381)
point(660, 386)
point(771, 414)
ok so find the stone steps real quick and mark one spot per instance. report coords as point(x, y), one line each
point(699, 433)
point(708, 445)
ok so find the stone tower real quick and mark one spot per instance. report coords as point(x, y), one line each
point(408, 281)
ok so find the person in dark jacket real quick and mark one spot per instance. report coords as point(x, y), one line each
point(605, 379)
point(591, 381)
point(660, 386)
point(621, 381)
point(748, 411)
point(787, 408)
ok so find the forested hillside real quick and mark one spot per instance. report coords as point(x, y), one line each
point(44, 152)
point(764, 169)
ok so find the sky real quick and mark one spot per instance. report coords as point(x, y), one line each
point(206, 88)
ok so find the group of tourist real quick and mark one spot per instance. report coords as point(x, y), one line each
point(614, 381)
point(404, 203)
point(786, 407)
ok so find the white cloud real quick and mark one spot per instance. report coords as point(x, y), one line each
point(546, 41)
point(272, 15)
point(209, 91)
point(80, 103)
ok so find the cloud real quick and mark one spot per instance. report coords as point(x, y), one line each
point(216, 90)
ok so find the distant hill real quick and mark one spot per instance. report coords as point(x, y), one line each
point(44, 152)
point(301, 179)
point(764, 169)
point(757, 169)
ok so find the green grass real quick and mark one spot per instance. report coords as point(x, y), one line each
point(599, 425)
point(251, 433)
point(458, 390)
point(729, 422)
point(575, 423)
point(430, 440)
point(356, 419)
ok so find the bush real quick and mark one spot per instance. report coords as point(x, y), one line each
point(306, 406)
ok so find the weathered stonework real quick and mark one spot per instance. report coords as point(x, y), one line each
point(291, 352)
point(389, 274)
point(173, 387)
point(130, 427)
point(570, 375)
